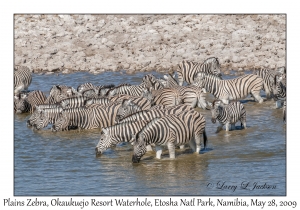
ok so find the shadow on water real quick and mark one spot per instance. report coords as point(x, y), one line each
point(65, 163)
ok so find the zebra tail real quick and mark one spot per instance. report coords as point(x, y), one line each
point(204, 139)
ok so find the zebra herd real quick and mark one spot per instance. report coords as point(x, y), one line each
point(158, 112)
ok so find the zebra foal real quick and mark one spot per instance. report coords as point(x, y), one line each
point(228, 115)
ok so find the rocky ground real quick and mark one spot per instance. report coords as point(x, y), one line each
point(97, 43)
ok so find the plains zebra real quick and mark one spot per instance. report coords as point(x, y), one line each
point(22, 79)
point(58, 93)
point(28, 101)
point(88, 86)
point(73, 102)
point(191, 94)
point(115, 134)
point(268, 78)
point(232, 89)
point(38, 109)
point(97, 116)
point(127, 108)
point(228, 115)
point(188, 69)
point(142, 102)
point(151, 114)
point(170, 130)
point(279, 88)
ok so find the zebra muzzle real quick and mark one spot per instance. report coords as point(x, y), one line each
point(213, 120)
point(135, 159)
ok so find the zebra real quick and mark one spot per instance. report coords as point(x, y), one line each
point(22, 79)
point(268, 78)
point(115, 134)
point(133, 90)
point(28, 102)
point(143, 102)
point(58, 93)
point(151, 114)
point(38, 109)
point(127, 108)
point(279, 88)
point(73, 102)
point(88, 86)
point(96, 116)
point(188, 69)
point(232, 89)
point(228, 115)
point(170, 130)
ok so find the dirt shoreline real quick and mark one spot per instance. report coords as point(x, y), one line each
point(134, 43)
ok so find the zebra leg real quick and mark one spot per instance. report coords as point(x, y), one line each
point(149, 148)
point(171, 148)
point(198, 143)
point(192, 144)
point(158, 152)
point(228, 125)
point(257, 97)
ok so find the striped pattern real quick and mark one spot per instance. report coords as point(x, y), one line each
point(22, 79)
point(133, 90)
point(73, 102)
point(188, 69)
point(149, 115)
point(115, 134)
point(232, 89)
point(228, 115)
point(127, 108)
point(170, 130)
point(142, 102)
point(279, 89)
point(28, 102)
point(268, 78)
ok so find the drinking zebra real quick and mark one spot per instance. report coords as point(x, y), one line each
point(38, 109)
point(27, 102)
point(188, 69)
point(96, 116)
point(228, 115)
point(279, 90)
point(22, 79)
point(170, 130)
point(231, 89)
point(115, 134)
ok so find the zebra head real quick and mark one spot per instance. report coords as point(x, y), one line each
point(276, 85)
point(61, 123)
point(215, 110)
point(127, 108)
point(42, 121)
point(139, 147)
point(147, 94)
point(104, 142)
point(34, 116)
point(21, 103)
